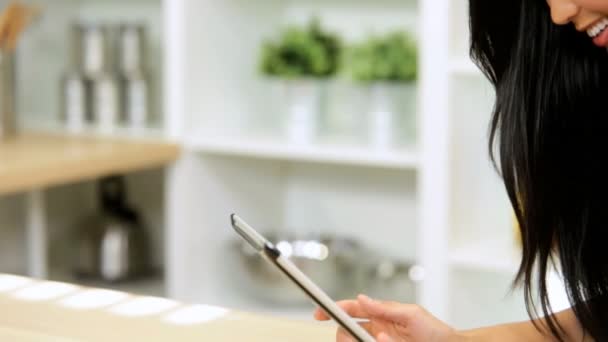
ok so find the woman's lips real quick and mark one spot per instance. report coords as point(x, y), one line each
point(601, 39)
point(598, 32)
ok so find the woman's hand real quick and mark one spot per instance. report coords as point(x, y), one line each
point(394, 322)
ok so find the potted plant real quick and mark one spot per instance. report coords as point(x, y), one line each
point(387, 64)
point(302, 57)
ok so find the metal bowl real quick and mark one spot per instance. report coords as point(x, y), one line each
point(329, 261)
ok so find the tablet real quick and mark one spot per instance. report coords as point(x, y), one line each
point(267, 250)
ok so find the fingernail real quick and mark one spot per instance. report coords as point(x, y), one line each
point(365, 298)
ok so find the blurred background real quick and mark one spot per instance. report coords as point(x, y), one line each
point(352, 132)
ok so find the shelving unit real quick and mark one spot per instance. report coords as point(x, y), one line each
point(35, 162)
point(58, 166)
point(416, 203)
point(274, 149)
point(50, 37)
point(341, 190)
point(436, 202)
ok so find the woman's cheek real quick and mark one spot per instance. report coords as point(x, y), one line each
point(600, 6)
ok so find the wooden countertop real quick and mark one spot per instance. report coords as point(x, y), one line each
point(39, 160)
point(41, 311)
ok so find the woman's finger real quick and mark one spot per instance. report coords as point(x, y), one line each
point(351, 307)
point(388, 311)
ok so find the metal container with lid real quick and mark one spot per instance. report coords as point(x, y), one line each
point(113, 244)
point(132, 46)
point(342, 266)
point(133, 68)
point(105, 101)
point(74, 103)
point(136, 100)
point(331, 262)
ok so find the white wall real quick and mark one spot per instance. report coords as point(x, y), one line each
point(482, 298)
point(375, 207)
point(480, 208)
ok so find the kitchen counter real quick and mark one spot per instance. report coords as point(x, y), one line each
point(40, 160)
point(42, 311)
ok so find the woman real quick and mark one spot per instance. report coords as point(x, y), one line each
point(548, 62)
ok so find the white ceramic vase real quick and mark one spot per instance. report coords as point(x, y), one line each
point(386, 112)
point(303, 101)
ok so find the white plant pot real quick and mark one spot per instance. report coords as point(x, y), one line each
point(387, 113)
point(303, 105)
point(345, 112)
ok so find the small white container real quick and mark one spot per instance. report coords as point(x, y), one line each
point(391, 106)
point(303, 102)
point(345, 112)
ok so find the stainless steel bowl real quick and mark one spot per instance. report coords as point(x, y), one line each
point(332, 263)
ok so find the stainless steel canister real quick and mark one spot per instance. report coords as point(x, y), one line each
point(137, 100)
point(132, 47)
point(92, 48)
point(105, 101)
point(74, 104)
point(8, 107)
point(132, 64)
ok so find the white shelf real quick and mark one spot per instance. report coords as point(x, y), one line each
point(463, 66)
point(488, 256)
point(318, 153)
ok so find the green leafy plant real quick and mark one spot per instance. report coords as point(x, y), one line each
point(392, 57)
point(302, 52)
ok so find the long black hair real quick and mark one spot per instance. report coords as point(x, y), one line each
point(548, 139)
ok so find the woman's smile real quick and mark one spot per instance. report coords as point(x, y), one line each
point(597, 31)
point(589, 16)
